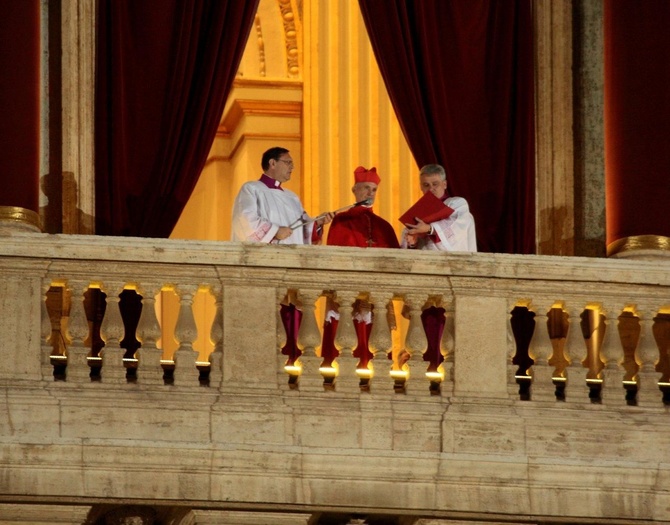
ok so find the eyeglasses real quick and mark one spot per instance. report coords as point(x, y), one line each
point(287, 162)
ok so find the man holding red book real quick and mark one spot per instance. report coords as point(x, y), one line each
point(437, 221)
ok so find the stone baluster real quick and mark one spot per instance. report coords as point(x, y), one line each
point(283, 367)
point(540, 351)
point(512, 368)
point(289, 318)
point(415, 341)
point(380, 342)
point(46, 329)
point(448, 342)
point(522, 322)
point(557, 327)
point(186, 332)
point(149, 370)
point(648, 393)
point(346, 340)
point(309, 338)
point(78, 370)
point(216, 336)
point(611, 351)
point(576, 388)
point(112, 332)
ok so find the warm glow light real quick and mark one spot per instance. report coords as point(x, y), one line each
point(167, 362)
point(364, 373)
point(293, 369)
point(328, 371)
point(630, 382)
point(399, 374)
point(559, 379)
point(202, 363)
point(596, 381)
point(63, 357)
point(435, 376)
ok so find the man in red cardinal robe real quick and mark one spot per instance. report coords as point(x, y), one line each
point(358, 226)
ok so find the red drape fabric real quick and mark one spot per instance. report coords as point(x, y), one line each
point(637, 117)
point(20, 103)
point(164, 71)
point(460, 77)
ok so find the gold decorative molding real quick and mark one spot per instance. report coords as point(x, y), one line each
point(268, 108)
point(241, 82)
point(261, 45)
point(21, 217)
point(639, 243)
point(291, 37)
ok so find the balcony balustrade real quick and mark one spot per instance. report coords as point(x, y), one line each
point(530, 363)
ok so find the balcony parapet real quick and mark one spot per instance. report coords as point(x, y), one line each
point(561, 313)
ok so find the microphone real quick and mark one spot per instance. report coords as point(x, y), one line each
point(364, 202)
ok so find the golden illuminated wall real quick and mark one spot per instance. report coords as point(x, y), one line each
point(349, 120)
point(308, 81)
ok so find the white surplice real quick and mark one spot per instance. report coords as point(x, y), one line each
point(456, 233)
point(260, 211)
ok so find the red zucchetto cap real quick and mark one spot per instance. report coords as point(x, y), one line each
point(362, 174)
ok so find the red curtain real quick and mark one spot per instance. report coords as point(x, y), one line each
point(20, 103)
point(164, 71)
point(460, 77)
point(637, 117)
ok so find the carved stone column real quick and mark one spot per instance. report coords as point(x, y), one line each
point(77, 332)
point(612, 354)
point(381, 342)
point(648, 393)
point(448, 343)
point(309, 338)
point(46, 329)
point(576, 390)
point(346, 341)
point(540, 349)
point(216, 335)
point(148, 332)
point(112, 331)
point(415, 340)
point(186, 331)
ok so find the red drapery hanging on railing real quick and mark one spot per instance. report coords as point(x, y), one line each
point(164, 71)
point(637, 118)
point(460, 77)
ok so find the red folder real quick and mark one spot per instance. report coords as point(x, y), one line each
point(428, 208)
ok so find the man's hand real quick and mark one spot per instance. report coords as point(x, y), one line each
point(325, 218)
point(283, 232)
point(420, 228)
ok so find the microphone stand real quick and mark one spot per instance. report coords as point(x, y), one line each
point(359, 203)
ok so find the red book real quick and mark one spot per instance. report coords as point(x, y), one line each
point(428, 208)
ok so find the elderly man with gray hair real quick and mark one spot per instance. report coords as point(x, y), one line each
point(456, 233)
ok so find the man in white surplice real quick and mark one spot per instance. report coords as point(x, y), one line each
point(456, 233)
point(266, 212)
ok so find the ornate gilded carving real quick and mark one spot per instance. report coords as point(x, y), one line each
point(290, 37)
point(261, 45)
point(637, 243)
point(21, 217)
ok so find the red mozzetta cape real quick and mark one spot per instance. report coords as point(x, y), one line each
point(359, 226)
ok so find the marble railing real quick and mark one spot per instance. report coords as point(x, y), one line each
point(529, 328)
